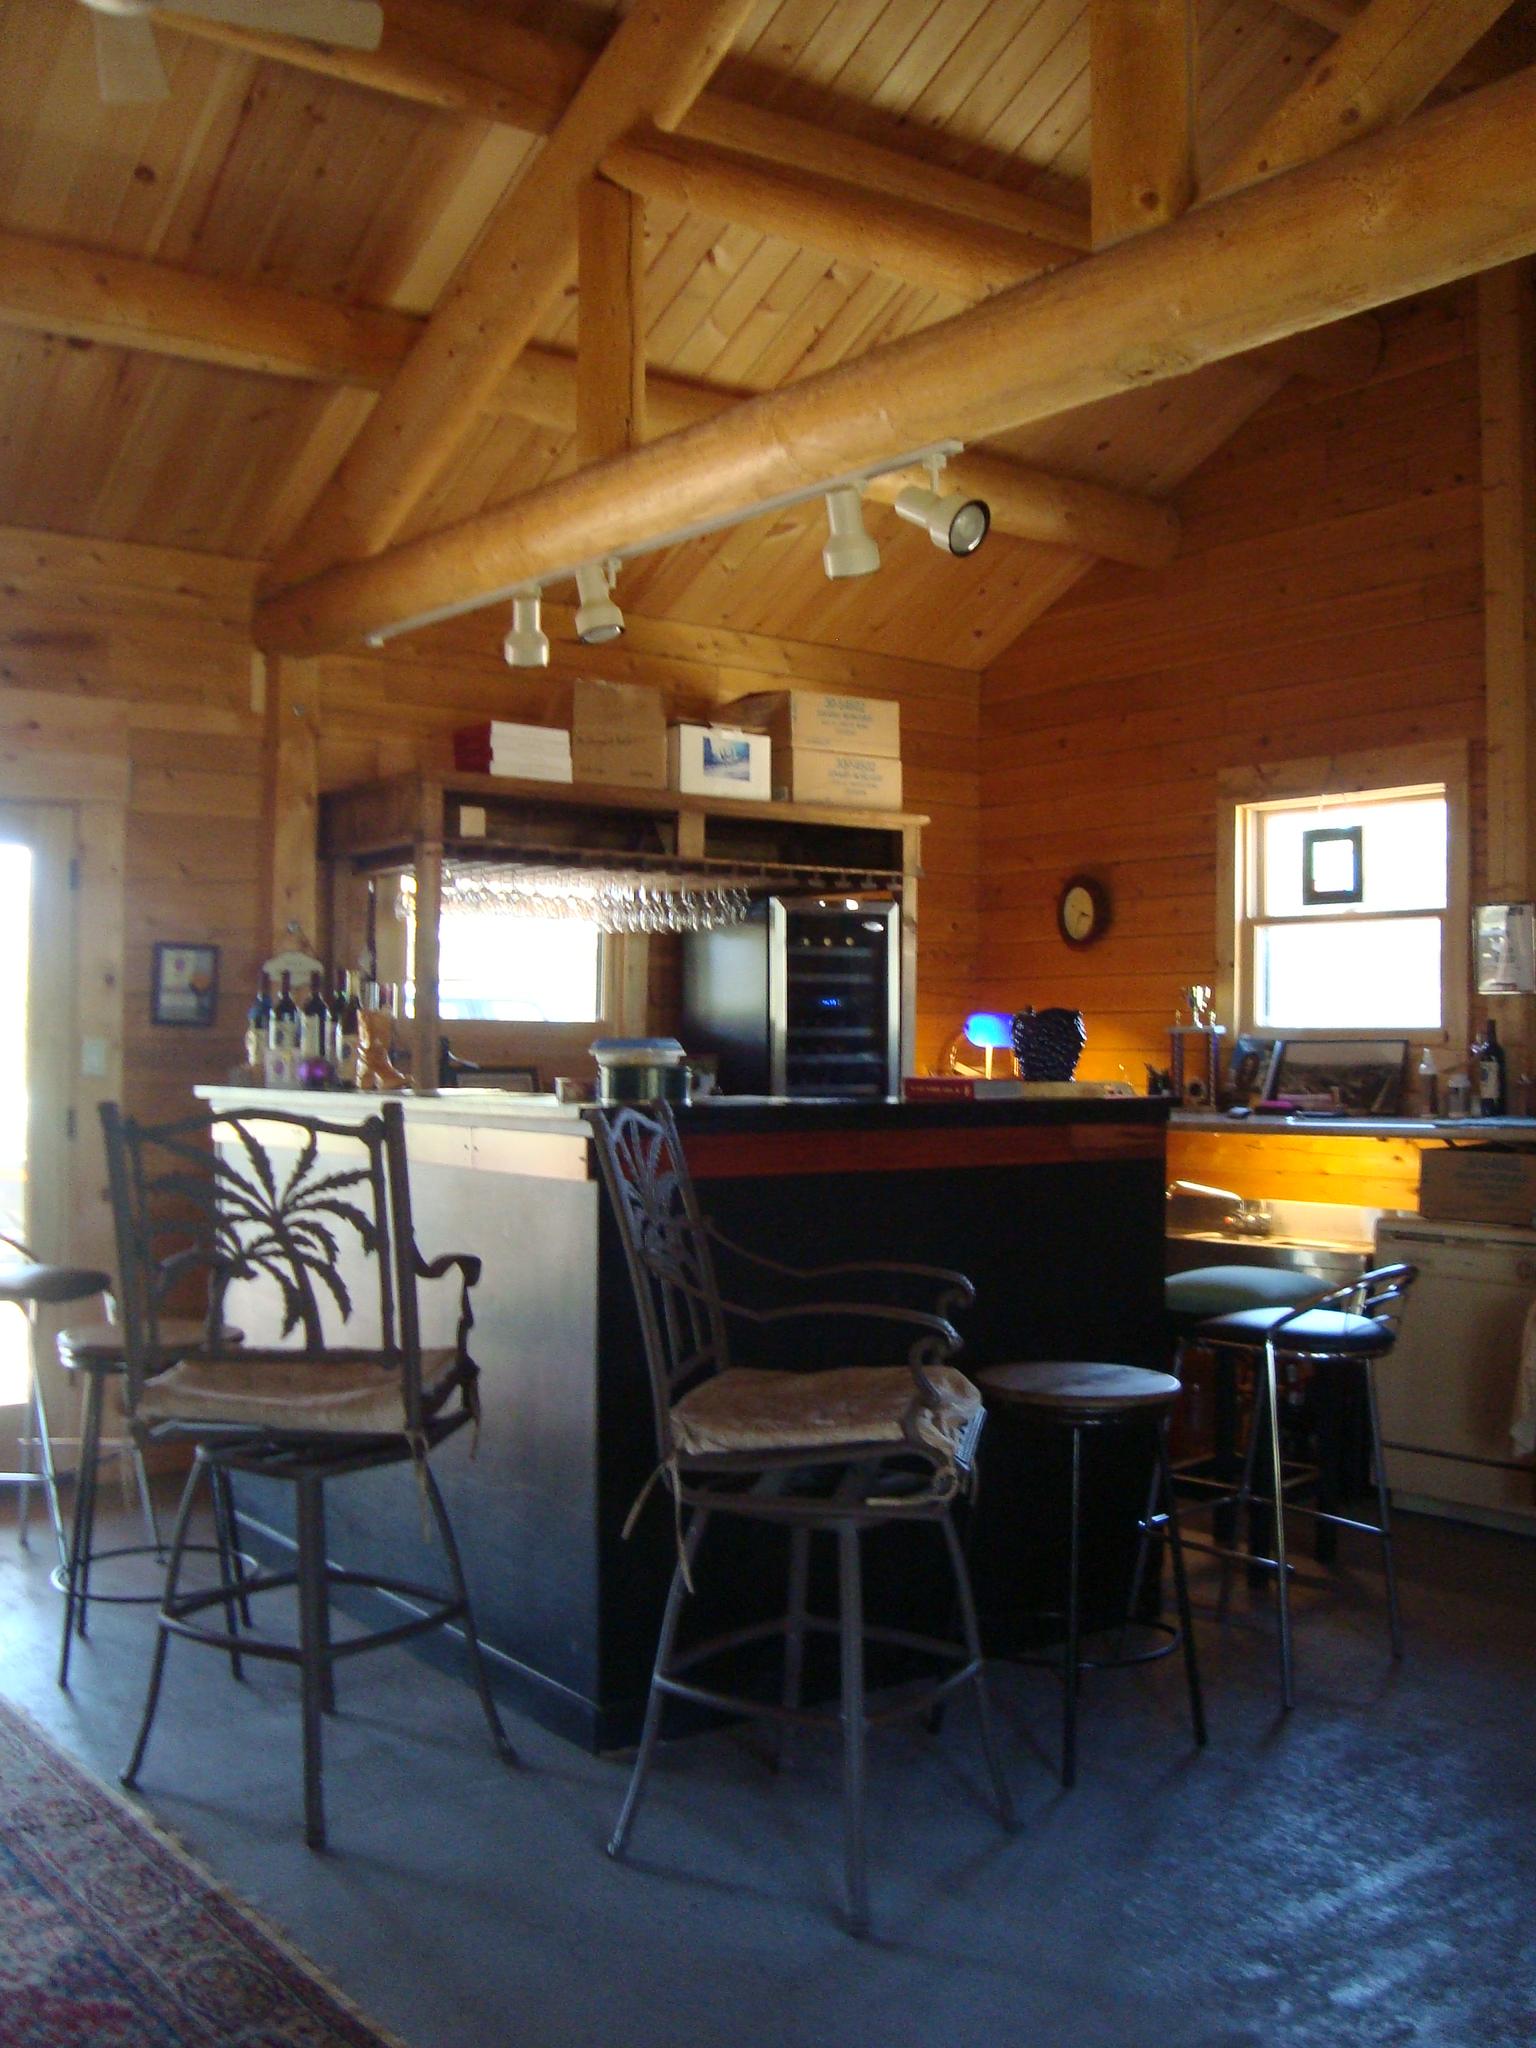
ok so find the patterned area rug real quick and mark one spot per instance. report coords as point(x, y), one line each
point(112, 1937)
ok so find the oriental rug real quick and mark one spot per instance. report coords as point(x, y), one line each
point(111, 1936)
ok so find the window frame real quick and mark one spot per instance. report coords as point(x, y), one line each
point(1333, 778)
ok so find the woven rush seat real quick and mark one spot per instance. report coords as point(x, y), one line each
point(285, 1390)
point(844, 1408)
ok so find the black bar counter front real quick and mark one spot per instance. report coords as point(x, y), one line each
point(1054, 1208)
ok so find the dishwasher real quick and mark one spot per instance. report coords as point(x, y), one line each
point(1447, 1389)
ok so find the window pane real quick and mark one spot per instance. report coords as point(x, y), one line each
point(1403, 860)
point(1364, 975)
point(518, 969)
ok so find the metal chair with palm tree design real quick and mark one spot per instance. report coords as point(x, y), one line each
point(299, 1228)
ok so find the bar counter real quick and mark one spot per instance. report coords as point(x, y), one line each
point(1054, 1208)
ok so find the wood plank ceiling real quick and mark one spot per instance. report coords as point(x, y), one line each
point(256, 172)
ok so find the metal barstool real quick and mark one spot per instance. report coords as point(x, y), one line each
point(96, 1351)
point(1078, 1397)
point(28, 1284)
point(1354, 1324)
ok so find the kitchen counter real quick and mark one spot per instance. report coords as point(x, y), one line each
point(1509, 1130)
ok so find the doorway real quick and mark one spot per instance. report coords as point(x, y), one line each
point(37, 847)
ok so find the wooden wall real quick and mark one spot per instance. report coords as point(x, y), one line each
point(1328, 599)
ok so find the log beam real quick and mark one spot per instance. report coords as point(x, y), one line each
point(1445, 196)
point(1381, 70)
point(610, 334)
point(54, 288)
point(902, 238)
point(1141, 75)
point(652, 67)
point(1508, 46)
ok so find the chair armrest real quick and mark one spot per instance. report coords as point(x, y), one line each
point(468, 1263)
point(16, 1245)
point(957, 1291)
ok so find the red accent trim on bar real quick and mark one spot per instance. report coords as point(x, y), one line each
point(743, 1155)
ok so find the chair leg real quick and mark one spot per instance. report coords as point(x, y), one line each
point(77, 1569)
point(499, 1739)
point(237, 1606)
point(794, 1637)
point(315, 1648)
point(1181, 1586)
point(1242, 1505)
point(167, 1607)
point(1070, 1670)
point(966, 1600)
point(1384, 1512)
point(47, 1474)
point(850, 1628)
point(1282, 1569)
point(650, 1732)
point(146, 1500)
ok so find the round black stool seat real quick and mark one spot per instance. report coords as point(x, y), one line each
point(1076, 1396)
point(25, 1280)
point(1076, 1387)
point(1317, 1333)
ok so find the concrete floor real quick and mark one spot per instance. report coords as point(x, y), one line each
point(1360, 1874)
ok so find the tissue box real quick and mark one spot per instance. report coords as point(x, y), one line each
point(719, 760)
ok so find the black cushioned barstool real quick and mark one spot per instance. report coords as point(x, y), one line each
point(1077, 1397)
point(97, 1352)
point(28, 1284)
point(1352, 1325)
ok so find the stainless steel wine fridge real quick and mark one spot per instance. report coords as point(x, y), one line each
point(801, 999)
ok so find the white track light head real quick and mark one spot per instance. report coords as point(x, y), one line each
point(957, 524)
point(598, 618)
point(527, 645)
point(849, 550)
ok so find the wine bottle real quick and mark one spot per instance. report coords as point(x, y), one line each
point(283, 1024)
point(1491, 1070)
point(312, 1022)
point(257, 1021)
point(344, 1048)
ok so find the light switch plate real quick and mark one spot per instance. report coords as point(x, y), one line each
point(93, 1059)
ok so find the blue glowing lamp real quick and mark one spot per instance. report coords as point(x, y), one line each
point(992, 1033)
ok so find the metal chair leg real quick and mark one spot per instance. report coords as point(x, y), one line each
point(47, 1477)
point(499, 1738)
point(966, 1600)
point(855, 1722)
point(794, 1637)
point(167, 1607)
point(645, 1755)
point(1384, 1513)
point(1070, 1671)
point(77, 1569)
point(1282, 1568)
point(237, 1606)
point(315, 1649)
point(1181, 1586)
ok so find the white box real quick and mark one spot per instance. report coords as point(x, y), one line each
point(719, 760)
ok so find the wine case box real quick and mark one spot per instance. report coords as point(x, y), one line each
point(618, 731)
point(824, 723)
point(804, 775)
point(719, 760)
point(1478, 1185)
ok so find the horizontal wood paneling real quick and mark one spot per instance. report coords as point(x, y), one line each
point(1328, 599)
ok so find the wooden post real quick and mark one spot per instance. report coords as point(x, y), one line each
point(1506, 308)
point(427, 1024)
point(610, 335)
point(1141, 75)
point(291, 799)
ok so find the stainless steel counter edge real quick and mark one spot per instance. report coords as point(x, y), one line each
point(1513, 1130)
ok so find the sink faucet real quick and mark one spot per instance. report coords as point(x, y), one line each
point(1247, 1219)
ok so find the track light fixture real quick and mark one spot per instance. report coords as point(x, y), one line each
point(955, 523)
point(849, 550)
point(598, 618)
point(527, 645)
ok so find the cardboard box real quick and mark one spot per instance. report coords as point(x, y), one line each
point(831, 725)
point(1482, 1184)
point(618, 732)
point(857, 781)
point(719, 760)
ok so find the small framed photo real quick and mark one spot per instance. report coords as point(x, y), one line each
point(186, 985)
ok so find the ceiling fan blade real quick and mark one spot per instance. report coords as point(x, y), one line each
point(128, 67)
point(355, 24)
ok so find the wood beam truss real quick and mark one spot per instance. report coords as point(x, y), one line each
point(1141, 76)
point(1446, 195)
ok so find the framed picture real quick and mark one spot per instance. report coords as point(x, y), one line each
point(186, 984)
point(1252, 1069)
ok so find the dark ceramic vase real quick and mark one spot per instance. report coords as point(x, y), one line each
point(1048, 1043)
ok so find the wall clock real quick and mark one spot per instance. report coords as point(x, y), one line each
point(1082, 910)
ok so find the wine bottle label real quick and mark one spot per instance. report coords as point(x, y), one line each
point(283, 1033)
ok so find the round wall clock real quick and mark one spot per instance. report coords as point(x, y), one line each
point(1082, 910)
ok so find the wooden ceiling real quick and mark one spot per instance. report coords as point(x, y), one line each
point(255, 172)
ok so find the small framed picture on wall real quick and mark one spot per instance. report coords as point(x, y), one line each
point(186, 984)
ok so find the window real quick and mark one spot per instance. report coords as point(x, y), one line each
point(509, 969)
point(1348, 905)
